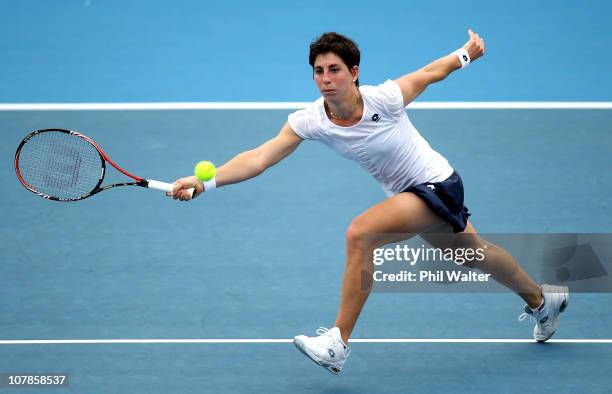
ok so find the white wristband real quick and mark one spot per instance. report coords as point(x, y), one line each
point(210, 185)
point(464, 57)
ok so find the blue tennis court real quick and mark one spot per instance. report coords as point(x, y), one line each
point(138, 293)
point(258, 262)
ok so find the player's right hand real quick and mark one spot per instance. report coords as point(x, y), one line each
point(182, 186)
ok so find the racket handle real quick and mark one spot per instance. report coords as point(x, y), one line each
point(164, 187)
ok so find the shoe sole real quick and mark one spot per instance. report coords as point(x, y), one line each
point(300, 346)
point(561, 310)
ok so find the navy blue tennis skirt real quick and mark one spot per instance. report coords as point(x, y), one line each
point(445, 199)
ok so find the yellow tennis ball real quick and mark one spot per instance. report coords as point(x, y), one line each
point(205, 171)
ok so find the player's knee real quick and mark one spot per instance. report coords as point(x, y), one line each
point(356, 234)
point(476, 252)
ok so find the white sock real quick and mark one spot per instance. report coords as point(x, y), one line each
point(540, 306)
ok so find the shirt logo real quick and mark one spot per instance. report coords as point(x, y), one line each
point(376, 117)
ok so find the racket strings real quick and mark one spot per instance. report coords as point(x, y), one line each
point(59, 164)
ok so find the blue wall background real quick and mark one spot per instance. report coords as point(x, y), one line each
point(153, 50)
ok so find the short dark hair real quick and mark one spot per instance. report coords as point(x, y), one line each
point(345, 48)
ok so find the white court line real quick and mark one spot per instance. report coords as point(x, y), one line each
point(295, 105)
point(247, 340)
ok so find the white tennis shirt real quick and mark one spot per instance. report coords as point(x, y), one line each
point(384, 142)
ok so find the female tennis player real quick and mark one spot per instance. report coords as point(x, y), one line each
point(369, 124)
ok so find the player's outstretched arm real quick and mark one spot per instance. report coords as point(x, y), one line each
point(413, 84)
point(245, 165)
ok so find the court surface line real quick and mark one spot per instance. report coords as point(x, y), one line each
point(294, 105)
point(268, 341)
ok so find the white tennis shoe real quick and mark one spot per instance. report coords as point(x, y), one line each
point(327, 349)
point(547, 315)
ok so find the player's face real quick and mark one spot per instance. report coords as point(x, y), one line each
point(332, 75)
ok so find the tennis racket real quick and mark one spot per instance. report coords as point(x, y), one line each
point(64, 165)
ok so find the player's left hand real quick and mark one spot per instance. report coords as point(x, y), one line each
point(475, 46)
